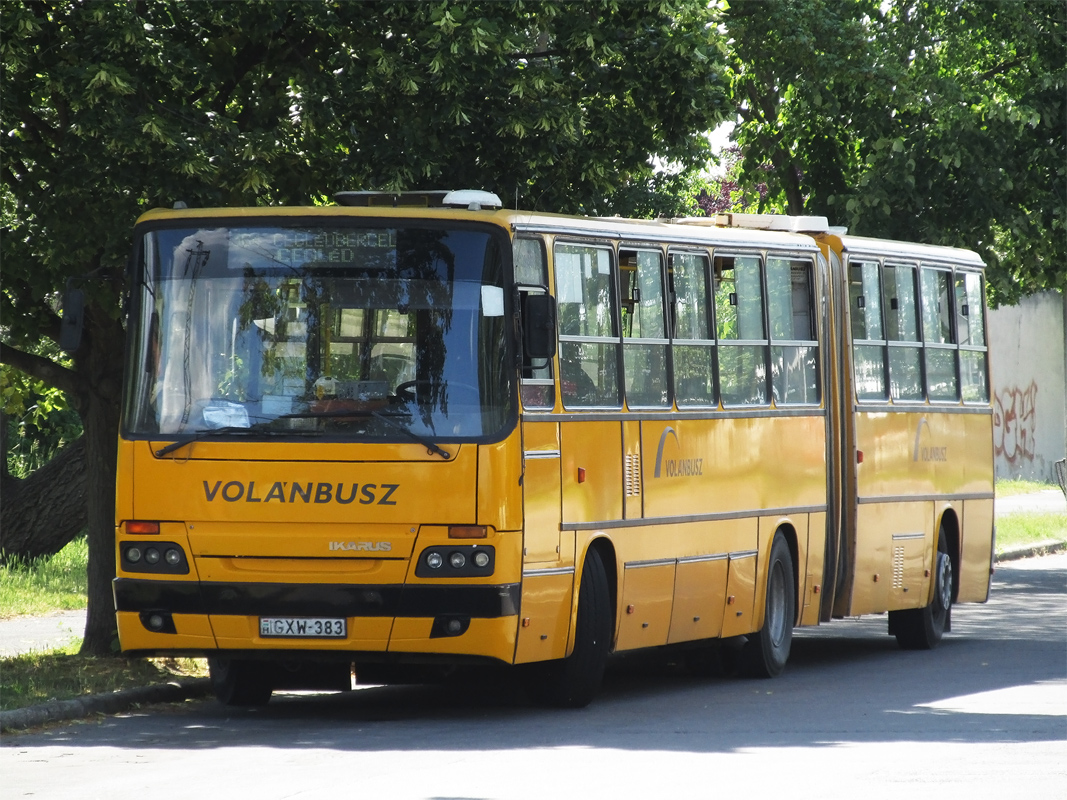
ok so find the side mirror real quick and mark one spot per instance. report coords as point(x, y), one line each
point(539, 325)
point(70, 329)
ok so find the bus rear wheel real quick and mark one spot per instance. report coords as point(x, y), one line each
point(922, 628)
point(767, 650)
point(238, 682)
point(574, 681)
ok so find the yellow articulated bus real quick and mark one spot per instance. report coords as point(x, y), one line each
point(405, 434)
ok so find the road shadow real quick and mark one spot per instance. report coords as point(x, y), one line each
point(990, 681)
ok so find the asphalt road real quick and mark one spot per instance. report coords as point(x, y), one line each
point(985, 715)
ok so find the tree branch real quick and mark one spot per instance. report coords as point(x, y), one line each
point(532, 56)
point(44, 369)
point(1000, 69)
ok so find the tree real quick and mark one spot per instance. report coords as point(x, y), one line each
point(42, 482)
point(110, 108)
point(942, 121)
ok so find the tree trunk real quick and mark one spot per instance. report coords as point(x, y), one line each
point(788, 174)
point(99, 411)
point(41, 513)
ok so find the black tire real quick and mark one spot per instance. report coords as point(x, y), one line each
point(240, 683)
point(767, 650)
point(922, 628)
point(574, 681)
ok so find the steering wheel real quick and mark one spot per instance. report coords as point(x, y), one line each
point(406, 391)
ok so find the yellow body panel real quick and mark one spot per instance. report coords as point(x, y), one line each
point(923, 453)
point(884, 529)
point(647, 598)
point(918, 468)
point(499, 492)
point(698, 608)
point(545, 617)
point(595, 493)
point(194, 633)
point(977, 551)
point(541, 492)
point(738, 618)
point(811, 583)
point(277, 484)
point(695, 466)
point(301, 570)
point(489, 638)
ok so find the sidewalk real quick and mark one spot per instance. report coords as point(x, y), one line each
point(20, 635)
point(1050, 501)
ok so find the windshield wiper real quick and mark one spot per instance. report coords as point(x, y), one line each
point(208, 433)
point(431, 447)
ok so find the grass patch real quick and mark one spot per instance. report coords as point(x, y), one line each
point(64, 675)
point(43, 585)
point(1008, 488)
point(1029, 528)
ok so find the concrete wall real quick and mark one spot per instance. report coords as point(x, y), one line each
point(1028, 366)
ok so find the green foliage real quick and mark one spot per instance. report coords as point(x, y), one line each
point(55, 583)
point(38, 418)
point(1030, 528)
point(942, 121)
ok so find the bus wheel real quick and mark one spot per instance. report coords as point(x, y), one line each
point(767, 650)
point(240, 683)
point(573, 681)
point(922, 628)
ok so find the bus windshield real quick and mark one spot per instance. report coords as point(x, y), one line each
point(362, 333)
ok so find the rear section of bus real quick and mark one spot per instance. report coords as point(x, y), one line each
point(317, 431)
point(917, 433)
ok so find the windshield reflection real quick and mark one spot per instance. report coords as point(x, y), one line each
point(356, 333)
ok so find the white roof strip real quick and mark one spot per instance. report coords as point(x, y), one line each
point(762, 222)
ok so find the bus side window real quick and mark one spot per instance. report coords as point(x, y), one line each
point(643, 328)
point(537, 388)
point(970, 325)
point(940, 350)
point(868, 333)
point(742, 347)
point(794, 350)
point(588, 337)
point(901, 316)
point(694, 344)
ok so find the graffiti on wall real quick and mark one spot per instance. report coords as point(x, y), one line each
point(1015, 423)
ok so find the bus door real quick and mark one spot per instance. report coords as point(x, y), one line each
point(547, 553)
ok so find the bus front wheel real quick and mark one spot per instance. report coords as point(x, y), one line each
point(767, 650)
point(573, 681)
point(237, 682)
point(922, 628)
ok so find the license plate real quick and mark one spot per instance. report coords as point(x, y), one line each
point(303, 628)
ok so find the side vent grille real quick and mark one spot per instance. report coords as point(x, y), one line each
point(898, 567)
point(632, 476)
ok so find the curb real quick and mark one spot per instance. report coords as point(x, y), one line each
point(110, 703)
point(1030, 551)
